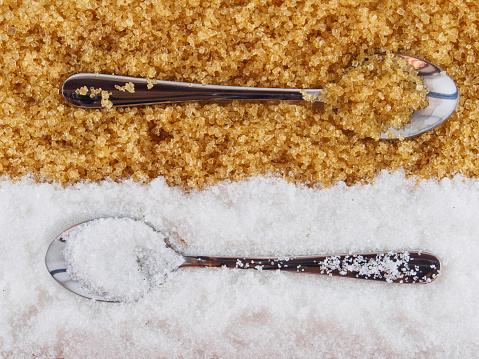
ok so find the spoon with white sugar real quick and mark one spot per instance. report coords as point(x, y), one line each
point(98, 90)
point(121, 259)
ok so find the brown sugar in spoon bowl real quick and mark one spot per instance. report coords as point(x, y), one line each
point(443, 94)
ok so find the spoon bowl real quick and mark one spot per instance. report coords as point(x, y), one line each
point(391, 267)
point(443, 94)
point(443, 98)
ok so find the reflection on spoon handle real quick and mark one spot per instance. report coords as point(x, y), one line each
point(154, 92)
point(397, 267)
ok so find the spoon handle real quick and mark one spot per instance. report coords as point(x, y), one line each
point(397, 267)
point(165, 91)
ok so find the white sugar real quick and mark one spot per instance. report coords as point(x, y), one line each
point(232, 313)
point(119, 259)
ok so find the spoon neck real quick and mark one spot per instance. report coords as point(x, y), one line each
point(230, 262)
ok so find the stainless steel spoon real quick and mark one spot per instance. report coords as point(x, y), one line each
point(393, 267)
point(443, 94)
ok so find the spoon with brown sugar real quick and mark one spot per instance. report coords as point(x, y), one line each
point(440, 91)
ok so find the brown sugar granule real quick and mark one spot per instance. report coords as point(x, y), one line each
point(82, 91)
point(289, 44)
point(105, 95)
point(129, 86)
point(95, 92)
point(150, 83)
point(105, 102)
point(376, 93)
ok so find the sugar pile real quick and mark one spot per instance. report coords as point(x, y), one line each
point(118, 258)
point(205, 313)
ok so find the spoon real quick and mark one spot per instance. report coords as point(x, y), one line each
point(393, 267)
point(443, 94)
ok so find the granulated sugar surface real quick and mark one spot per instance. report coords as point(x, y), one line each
point(286, 44)
point(208, 313)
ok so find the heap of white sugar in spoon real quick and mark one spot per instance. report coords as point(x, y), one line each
point(119, 258)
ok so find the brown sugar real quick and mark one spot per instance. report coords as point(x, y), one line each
point(105, 95)
point(150, 83)
point(375, 94)
point(82, 91)
point(129, 86)
point(105, 102)
point(288, 44)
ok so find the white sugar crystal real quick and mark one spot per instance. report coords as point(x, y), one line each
point(118, 258)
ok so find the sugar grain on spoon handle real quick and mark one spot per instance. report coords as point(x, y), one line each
point(397, 267)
